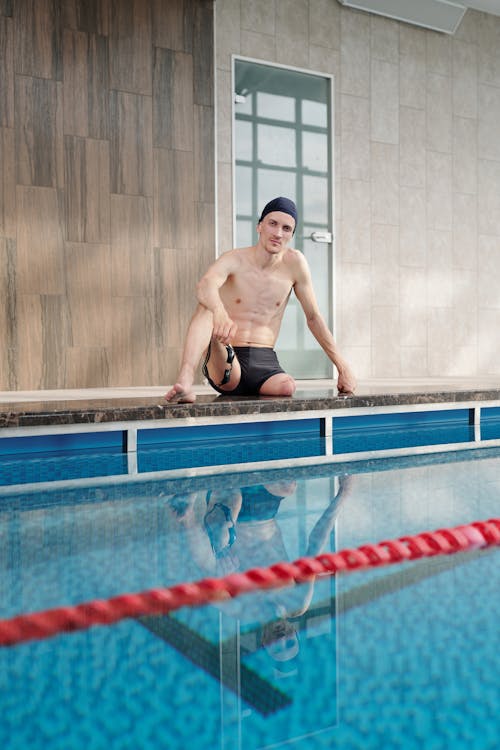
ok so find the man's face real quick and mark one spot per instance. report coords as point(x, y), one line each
point(276, 230)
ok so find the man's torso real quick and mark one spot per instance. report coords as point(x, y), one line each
point(256, 298)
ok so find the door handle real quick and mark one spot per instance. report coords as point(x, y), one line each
point(322, 237)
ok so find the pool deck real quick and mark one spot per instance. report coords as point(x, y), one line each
point(20, 409)
point(383, 419)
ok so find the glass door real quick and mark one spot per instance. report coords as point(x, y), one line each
point(283, 142)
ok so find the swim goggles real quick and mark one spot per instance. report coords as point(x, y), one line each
point(210, 519)
point(228, 370)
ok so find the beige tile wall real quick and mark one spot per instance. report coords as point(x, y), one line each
point(107, 187)
point(417, 176)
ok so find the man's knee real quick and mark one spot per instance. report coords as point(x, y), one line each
point(202, 312)
point(280, 384)
point(287, 386)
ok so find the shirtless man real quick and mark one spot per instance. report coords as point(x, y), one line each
point(241, 302)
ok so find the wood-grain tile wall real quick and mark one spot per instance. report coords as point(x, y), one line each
point(107, 187)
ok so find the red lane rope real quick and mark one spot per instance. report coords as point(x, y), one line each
point(51, 622)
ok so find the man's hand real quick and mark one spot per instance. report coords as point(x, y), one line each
point(224, 328)
point(346, 382)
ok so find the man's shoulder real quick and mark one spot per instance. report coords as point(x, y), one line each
point(293, 255)
point(232, 257)
point(294, 258)
point(237, 253)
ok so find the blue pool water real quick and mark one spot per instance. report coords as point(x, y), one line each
point(405, 656)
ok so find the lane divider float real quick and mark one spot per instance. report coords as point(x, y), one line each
point(161, 601)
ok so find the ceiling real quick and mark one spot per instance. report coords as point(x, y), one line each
point(488, 6)
point(440, 15)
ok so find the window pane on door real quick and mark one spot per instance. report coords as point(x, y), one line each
point(276, 145)
point(244, 190)
point(244, 141)
point(314, 113)
point(314, 151)
point(315, 199)
point(275, 107)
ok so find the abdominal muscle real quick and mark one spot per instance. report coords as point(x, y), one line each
point(255, 328)
point(255, 335)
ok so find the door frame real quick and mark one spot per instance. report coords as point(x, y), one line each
point(332, 322)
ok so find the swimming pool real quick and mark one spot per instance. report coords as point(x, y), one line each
point(400, 657)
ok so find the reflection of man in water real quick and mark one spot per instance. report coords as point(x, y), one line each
point(245, 533)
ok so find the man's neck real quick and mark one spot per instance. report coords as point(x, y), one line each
point(265, 259)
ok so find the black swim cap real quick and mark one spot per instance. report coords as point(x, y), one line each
point(280, 204)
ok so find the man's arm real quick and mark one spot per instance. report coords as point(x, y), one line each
point(304, 292)
point(207, 293)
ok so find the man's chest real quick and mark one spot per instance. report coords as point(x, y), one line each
point(268, 290)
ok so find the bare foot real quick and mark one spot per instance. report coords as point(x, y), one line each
point(180, 394)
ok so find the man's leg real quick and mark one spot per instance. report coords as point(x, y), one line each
point(197, 341)
point(197, 338)
point(278, 385)
point(221, 366)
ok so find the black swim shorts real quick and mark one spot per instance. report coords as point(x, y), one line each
point(257, 365)
point(258, 504)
